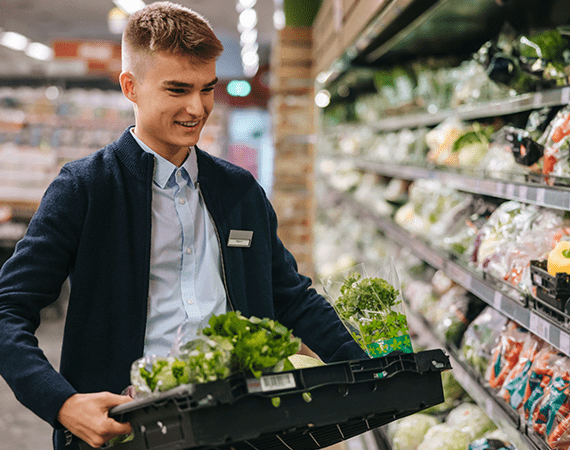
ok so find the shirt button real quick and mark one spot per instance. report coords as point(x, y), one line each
point(190, 301)
point(188, 250)
point(181, 201)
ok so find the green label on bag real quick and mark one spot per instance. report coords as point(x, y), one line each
point(383, 347)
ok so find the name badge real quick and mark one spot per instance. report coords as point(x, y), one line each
point(240, 238)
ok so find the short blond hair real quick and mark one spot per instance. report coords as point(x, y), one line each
point(169, 28)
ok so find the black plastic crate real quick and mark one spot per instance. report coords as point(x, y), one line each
point(554, 290)
point(346, 399)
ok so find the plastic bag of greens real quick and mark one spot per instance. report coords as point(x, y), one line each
point(480, 336)
point(371, 307)
point(232, 343)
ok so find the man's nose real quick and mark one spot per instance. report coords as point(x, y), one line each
point(194, 106)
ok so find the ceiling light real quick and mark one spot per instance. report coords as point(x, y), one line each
point(39, 51)
point(323, 98)
point(279, 19)
point(250, 59)
point(130, 6)
point(248, 18)
point(251, 48)
point(245, 4)
point(250, 71)
point(15, 41)
point(248, 36)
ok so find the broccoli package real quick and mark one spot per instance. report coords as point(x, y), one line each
point(371, 308)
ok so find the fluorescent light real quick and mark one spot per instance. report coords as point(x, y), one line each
point(248, 18)
point(130, 6)
point(15, 41)
point(39, 51)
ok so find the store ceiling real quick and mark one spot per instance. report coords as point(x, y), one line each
point(45, 22)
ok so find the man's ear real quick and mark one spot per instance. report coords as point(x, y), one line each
point(128, 85)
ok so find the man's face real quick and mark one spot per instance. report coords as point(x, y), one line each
point(173, 100)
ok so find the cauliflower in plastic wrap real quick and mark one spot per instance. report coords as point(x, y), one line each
point(408, 433)
point(444, 437)
point(471, 420)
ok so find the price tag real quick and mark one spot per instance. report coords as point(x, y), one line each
point(510, 190)
point(539, 326)
point(564, 343)
point(537, 100)
point(565, 96)
point(523, 192)
point(490, 408)
point(499, 189)
point(497, 300)
point(540, 196)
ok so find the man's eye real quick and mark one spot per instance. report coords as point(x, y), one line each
point(208, 89)
point(176, 90)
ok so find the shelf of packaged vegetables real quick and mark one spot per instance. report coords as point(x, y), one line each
point(495, 108)
point(521, 308)
point(557, 197)
point(500, 413)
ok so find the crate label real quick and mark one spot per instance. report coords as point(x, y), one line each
point(271, 383)
point(537, 279)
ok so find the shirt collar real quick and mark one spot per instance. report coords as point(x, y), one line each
point(163, 168)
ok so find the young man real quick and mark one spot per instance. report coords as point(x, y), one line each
point(143, 228)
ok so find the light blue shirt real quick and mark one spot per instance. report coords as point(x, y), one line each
point(186, 286)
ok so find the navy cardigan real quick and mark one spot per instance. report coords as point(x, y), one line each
point(93, 225)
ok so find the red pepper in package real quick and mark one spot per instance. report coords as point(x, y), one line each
point(505, 354)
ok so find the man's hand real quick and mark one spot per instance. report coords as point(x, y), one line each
point(86, 416)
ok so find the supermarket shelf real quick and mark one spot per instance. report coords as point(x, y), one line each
point(511, 303)
point(496, 108)
point(495, 408)
point(556, 197)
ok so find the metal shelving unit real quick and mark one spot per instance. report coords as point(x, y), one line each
point(503, 298)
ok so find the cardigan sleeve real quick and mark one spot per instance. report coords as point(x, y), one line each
point(29, 281)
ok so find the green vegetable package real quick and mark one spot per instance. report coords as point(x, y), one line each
point(371, 308)
point(231, 344)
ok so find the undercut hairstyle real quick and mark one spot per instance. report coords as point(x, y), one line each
point(166, 27)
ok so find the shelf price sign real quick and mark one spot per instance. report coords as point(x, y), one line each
point(539, 326)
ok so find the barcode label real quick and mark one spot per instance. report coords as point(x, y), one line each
point(271, 383)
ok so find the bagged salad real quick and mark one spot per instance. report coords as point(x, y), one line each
point(371, 307)
point(232, 343)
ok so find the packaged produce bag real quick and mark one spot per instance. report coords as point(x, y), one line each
point(371, 308)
